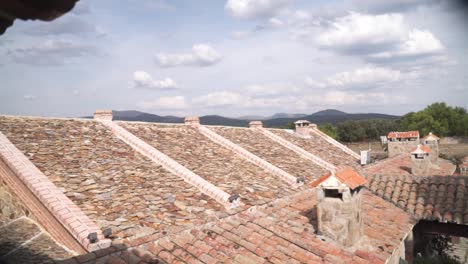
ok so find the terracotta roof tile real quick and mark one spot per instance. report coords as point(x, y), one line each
point(421, 149)
point(431, 137)
point(406, 134)
point(431, 198)
point(347, 176)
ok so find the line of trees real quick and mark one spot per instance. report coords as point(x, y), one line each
point(439, 118)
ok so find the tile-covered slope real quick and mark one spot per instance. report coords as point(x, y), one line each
point(284, 232)
point(263, 147)
point(111, 183)
point(214, 163)
point(319, 147)
point(437, 198)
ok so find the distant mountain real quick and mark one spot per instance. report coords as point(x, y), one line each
point(329, 112)
point(331, 116)
point(285, 115)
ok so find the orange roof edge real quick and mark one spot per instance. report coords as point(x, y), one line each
point(347, 176)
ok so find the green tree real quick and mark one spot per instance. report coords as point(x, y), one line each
point(329, 129)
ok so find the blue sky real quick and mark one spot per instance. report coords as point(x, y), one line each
point(237, 57)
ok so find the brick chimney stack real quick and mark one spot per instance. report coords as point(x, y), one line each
point(255, 124)
point(432, 141)
point(193, 121)
point(103, 115)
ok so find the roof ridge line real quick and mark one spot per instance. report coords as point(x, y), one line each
point(62, 208)
point(227, 200)
point(250, 157)
point(317, 160)
point(336, 143)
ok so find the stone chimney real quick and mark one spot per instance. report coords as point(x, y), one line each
point(339, 209)
point(193, 121)
point(255, 124)
point(303, 127)
point(432, 141)
point(103, 115)
point(421, 160)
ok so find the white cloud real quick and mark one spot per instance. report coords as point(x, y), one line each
point(357, 29)
point(202, 55)
point(165, 103)
point(255, 8)
point(220, 99)
point(276, 22)
point(271, 89)
point(238, 34)
point(379, 38)
point(52, 52)
point(314, 84)
point(367, 76)
point(144, 80)
point(418, 42)
point(29, 97)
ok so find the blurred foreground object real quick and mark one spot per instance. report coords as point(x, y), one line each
point(46, 10)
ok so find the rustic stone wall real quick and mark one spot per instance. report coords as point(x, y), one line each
point(10, 207)
point(341, 220)
point(420, 167)
point(434, 146)
point(401, 147)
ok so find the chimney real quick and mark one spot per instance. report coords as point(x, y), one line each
point(339, 209)
point(420, 160)
point(192, 121)
point(432, 141)
point(103, 115)
point(255, 124)
point(303, 127)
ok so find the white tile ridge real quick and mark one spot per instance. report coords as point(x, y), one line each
point(60, 206)
point(247, 155)
point(322, 163)
point(227, 200)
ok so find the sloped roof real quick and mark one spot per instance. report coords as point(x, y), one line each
point(439, 198)
point(406, 134)
point(347, 176)
point(421, 149)
point(431, 137)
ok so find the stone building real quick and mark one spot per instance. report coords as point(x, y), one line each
point(432, 141)
point(402, 142)
point(339, 206)
point(104, 191)
point(421, 160)
point(464, 166)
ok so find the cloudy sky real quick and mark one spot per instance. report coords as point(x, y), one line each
point(237, 57)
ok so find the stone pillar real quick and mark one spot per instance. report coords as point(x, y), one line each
point(193, 121)
point(432, 141)
point(339, 215)
point(304, 127)
point(255, 124)
point(420, 161)
point(103, 115)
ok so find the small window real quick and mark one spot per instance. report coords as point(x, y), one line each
point(331, 193)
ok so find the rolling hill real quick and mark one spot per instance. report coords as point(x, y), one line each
point(326, 116)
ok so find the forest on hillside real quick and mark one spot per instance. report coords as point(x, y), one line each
point(438, 118)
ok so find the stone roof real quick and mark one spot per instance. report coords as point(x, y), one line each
point(149, 204)
point(319, 147)
point(439, 198)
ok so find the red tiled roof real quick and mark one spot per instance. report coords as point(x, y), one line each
point(407, 134)
point(430, 198)
point(347, 176)
point(421, 148)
